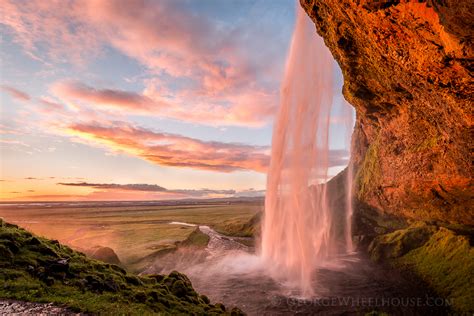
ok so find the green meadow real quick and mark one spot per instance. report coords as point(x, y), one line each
point(136, 233)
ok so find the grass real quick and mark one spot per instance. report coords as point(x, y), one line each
point(40, 270)
point(196, 239)
point(240, 226)
point(133, 232)
point(442, 258)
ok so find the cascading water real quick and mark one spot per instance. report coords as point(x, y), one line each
point(296, 232)
point(349, 125)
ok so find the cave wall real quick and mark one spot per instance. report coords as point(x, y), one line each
point(408, 68)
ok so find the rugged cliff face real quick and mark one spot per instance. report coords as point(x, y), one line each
point(407, 69)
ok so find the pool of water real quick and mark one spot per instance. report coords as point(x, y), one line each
point(231, 273)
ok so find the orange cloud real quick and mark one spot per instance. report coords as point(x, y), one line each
point(180, 151)
point(174, 150)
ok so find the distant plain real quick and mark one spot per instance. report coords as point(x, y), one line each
point(135, 233)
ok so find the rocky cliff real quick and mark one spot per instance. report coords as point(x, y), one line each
point(407, 69)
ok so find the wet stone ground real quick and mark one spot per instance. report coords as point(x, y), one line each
point(10, 307)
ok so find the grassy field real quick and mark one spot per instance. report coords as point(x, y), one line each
point(133, 232)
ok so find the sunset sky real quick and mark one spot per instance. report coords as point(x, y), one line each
point(138, 100)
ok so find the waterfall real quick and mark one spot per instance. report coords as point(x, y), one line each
point(349, 126)
point(296, 231)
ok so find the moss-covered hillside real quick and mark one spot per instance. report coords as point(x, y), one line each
point(442, 257)
point(40, 270)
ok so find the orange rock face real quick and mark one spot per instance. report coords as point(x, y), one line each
point(408, 71)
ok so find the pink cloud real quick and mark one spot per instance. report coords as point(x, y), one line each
point(56, 24)
point(221, 87)
point(250, 108)
point(49, 106)
point(104, 97)
point(174, 150)
point(15, 93)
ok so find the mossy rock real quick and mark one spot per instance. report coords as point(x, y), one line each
point(41, 270)
point(5, 253)
point(105, 254)
point(196, 239)
point(399, 242)
point(442, 258)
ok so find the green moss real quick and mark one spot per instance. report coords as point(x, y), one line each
point(239, 227)
point(440, 257)
point(369, 172)
point(196, 239)
point(41, 270)
point(399, 242)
